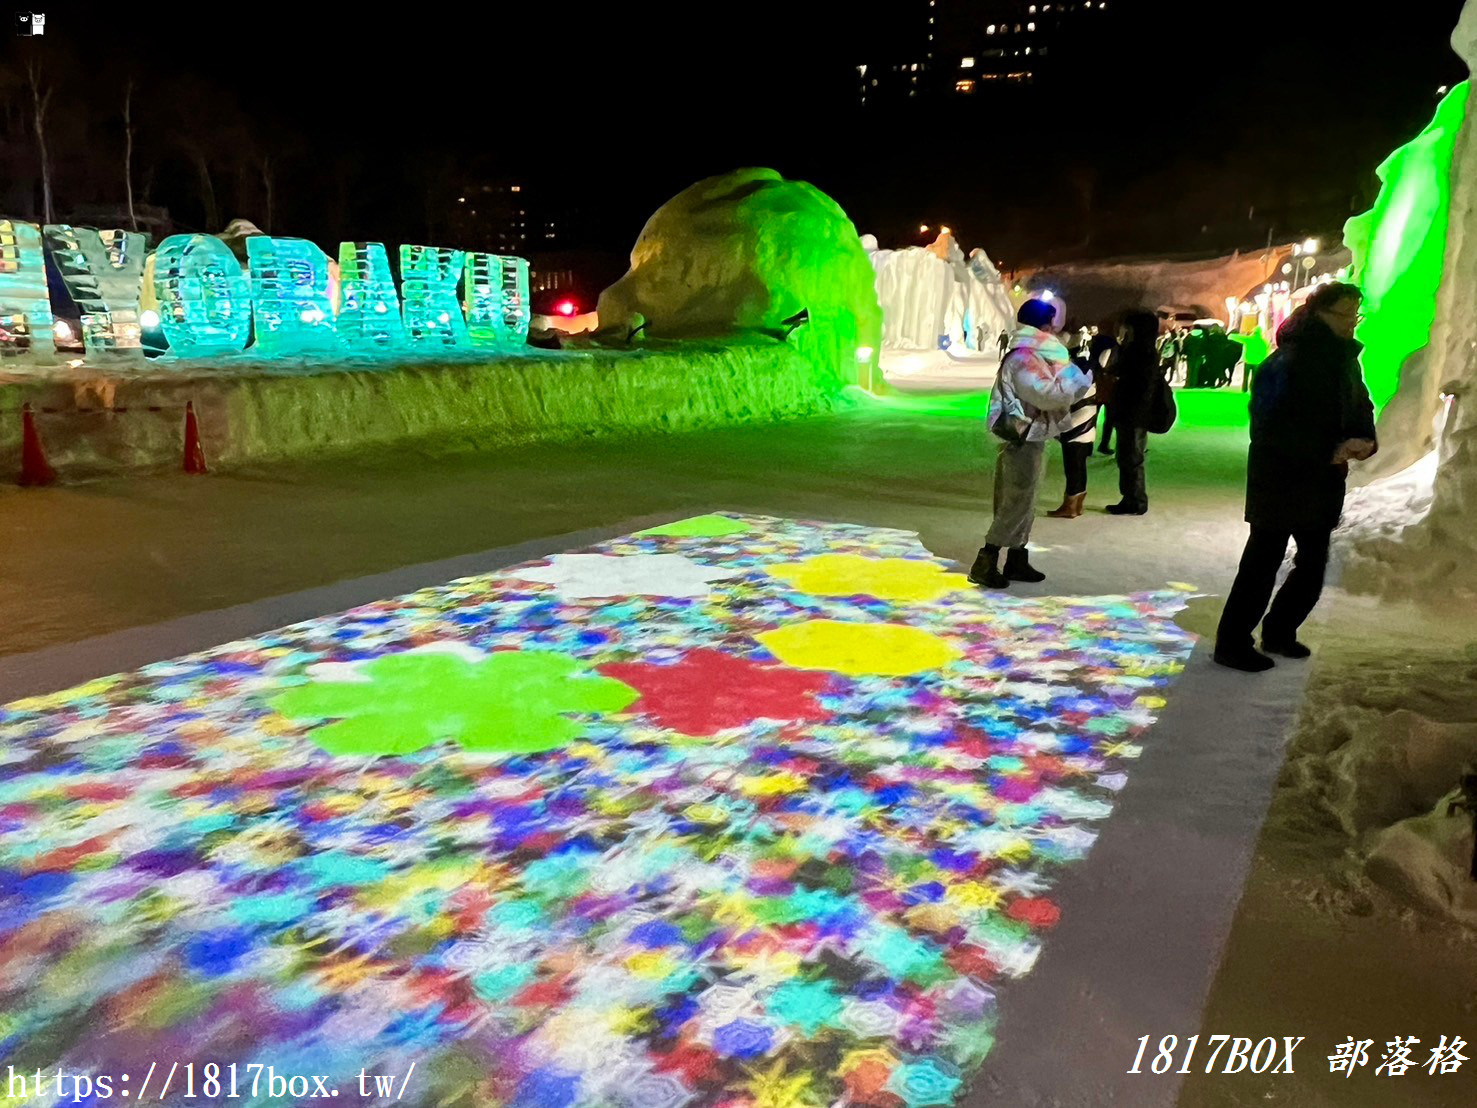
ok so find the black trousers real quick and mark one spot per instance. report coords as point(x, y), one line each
point(1107, 442)
point(1074, 461)
point(1263, 556)
point(1132, 442)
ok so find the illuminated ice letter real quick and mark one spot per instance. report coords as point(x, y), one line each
point(25, 306)
point(496, 292)
point(289, 289)
point(369, 307)
point(428, 280)
point(204, 298)
point(102, 270)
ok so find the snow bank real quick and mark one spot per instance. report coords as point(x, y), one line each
point(254, 412)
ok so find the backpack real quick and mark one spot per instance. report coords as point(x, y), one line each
point(1160, 409)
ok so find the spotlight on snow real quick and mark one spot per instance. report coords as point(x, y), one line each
point(566, 307)
point(62, 330)
point(149, 319)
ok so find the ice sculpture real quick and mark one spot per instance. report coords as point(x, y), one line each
point(102, 271)
point(289, 284)
point(497, 307)
point(369, 307)
point(204, 298)
point(25, 306)
point(428, 279)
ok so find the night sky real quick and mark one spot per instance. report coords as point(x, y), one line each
point(1191, 127)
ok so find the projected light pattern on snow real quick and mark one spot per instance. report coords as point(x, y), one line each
point(428, 280)
point(692, 817)
point(1399, 247)
point(102, 271)
point(369, 306)
point(289, 284)
point(204, 298)
point(25, 302)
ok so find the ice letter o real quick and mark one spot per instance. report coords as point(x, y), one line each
point(204, 298)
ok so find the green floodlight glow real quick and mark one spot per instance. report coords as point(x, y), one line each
point(1399, 247)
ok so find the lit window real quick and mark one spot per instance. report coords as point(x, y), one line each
point(1030, 26)
point(915, 67)
point(1033, 9)
point(966, 63)
point(1028, 50)
point(861, 70)
point(963, 86)
point(517, 188)
point(990, 30)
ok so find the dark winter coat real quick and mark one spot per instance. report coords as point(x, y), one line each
point(1135, 368)
point(1307, 398)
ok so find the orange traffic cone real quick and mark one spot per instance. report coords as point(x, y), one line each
point(35, 469)
point(194, 452)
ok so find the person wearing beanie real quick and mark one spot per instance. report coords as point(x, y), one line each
point(1030, 405)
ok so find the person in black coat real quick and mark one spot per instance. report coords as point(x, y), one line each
point(1310, 416)
point(1136, 366)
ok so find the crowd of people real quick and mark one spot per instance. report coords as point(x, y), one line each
point(1310, 416)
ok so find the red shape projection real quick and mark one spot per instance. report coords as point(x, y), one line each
point(708, 691)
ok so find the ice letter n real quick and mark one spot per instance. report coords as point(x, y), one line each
point(204, 298)
point(428, 280)
point(25, 305)
point(102, 271)
point(289, 285)
point(369, 308)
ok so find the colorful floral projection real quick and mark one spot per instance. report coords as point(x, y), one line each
point(735, 811)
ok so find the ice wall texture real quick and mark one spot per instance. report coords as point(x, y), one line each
point(743, 252)
point(1436, 560)
point(496, 301)
point(102, 271)
point(929, 301)
point(1399, 248)
point(25, 305)
point(204, 300)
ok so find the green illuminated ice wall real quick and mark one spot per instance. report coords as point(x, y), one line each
point(1399, 247)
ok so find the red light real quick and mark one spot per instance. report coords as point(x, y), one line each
point(566, 307)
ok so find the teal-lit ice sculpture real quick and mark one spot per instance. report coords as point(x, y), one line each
point(25, 304)
point(369, 306)
point(289, 284)
point(497, 300)
point(204, 298)
point(102, 271)
point(429, 276)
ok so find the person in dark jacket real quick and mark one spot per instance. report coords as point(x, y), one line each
point(1310, 416)
point(1100, 357)
point(1136, 366)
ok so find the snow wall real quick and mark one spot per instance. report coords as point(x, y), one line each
point(1435, 559)
point(256, 413)
point(932, 293)
point(743, 252)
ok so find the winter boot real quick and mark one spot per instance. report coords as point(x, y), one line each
point(1071, 507)
point(1286, 647)
point(1018, 566)
point(1124, 508)
point(1244, 657)
point(986, 569)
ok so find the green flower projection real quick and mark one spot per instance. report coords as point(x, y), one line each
point(1399, 247)
point(510, 702)
point(699, 527)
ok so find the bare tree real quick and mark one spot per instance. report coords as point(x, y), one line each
point(267, 180)
point(128, 150)
point(41, 90)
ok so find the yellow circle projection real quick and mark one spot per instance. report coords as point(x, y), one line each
point(859, 649)
point(884, 578)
